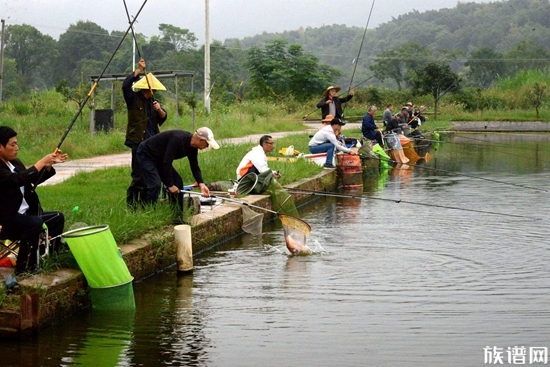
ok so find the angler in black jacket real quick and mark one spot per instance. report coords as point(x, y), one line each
point(331, 104)
point(145, 116)
point(21, 216)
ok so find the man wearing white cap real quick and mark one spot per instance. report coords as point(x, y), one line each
point(145, 115)
point(156, 154)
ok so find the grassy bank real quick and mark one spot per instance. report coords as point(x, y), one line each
point(101, 195)
point(42, 119)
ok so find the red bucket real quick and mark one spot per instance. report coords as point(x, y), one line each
point(350, 170)
point(348, 163)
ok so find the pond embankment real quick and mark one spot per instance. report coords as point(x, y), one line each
point(500, 126)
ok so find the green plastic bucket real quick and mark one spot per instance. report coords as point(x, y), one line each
point(97, 254)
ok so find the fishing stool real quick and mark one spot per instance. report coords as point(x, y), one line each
point(9, 247)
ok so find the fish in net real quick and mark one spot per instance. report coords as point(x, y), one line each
point(296, 232)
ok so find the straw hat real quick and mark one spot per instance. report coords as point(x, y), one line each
point(328, 118)
point(153, 84)
point(329, 88)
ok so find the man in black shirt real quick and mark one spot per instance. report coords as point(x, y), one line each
point(156, 154)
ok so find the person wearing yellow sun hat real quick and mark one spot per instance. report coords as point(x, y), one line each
point(145, 116)
point(331, 104)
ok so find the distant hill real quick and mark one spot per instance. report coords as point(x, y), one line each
point(463, 29)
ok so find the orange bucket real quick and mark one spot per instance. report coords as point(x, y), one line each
point(350, 170)
point(348, 163)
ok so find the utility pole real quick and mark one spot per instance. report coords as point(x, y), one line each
point(207, 58)
point(1, 60)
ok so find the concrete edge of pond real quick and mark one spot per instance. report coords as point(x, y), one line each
point(500, 126)
point(48, 298)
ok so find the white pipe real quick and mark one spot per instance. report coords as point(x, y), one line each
point(184, 247)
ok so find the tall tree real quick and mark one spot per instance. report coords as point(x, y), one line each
point(83, 41)
point(527, 56)
point(281, 70)
point(396, 63)
point(388, 65)
point(13, 84)
point(485, 66)
point(436, 80)
point(181, 39)
point(33, 52)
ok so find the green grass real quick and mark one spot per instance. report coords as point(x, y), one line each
point(42, 119)
point(99, 197)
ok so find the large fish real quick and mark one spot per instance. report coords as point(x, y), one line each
point(296, 247)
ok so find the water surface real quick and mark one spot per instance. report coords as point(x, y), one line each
point(428, 270)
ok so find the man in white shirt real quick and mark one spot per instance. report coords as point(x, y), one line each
point(325, 141)
point(255, 161)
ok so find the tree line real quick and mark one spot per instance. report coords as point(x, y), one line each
point(435, 53)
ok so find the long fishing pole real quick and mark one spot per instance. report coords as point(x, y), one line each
point(137, 49)
point(355, 61)
point(456, 173)
point(363, 196)
point(94, 86)
point(236, 201)
point(358, 54)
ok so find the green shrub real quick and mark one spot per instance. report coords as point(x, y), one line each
point(22, 108)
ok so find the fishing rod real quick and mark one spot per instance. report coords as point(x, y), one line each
point(92, 89)
point(96, 83)
point(363, 196)
point(236, 201)
point(355, 61)
point(455, 173)
point(137, 49)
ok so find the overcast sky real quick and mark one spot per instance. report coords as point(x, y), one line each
point(228, 19)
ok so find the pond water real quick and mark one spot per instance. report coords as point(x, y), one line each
point(432, 269)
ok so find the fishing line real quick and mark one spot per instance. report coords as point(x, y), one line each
point(236, 201)
point(457, 174)
point(96, 83)
point(363, 196)
point(137, 49)
point(361, 46)
point(487, 144)
point(356, 60)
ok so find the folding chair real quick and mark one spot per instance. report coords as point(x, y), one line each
point(9, 247)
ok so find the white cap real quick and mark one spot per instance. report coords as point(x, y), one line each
point(205, 133)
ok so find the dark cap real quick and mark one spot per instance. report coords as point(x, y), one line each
point(337, 121)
